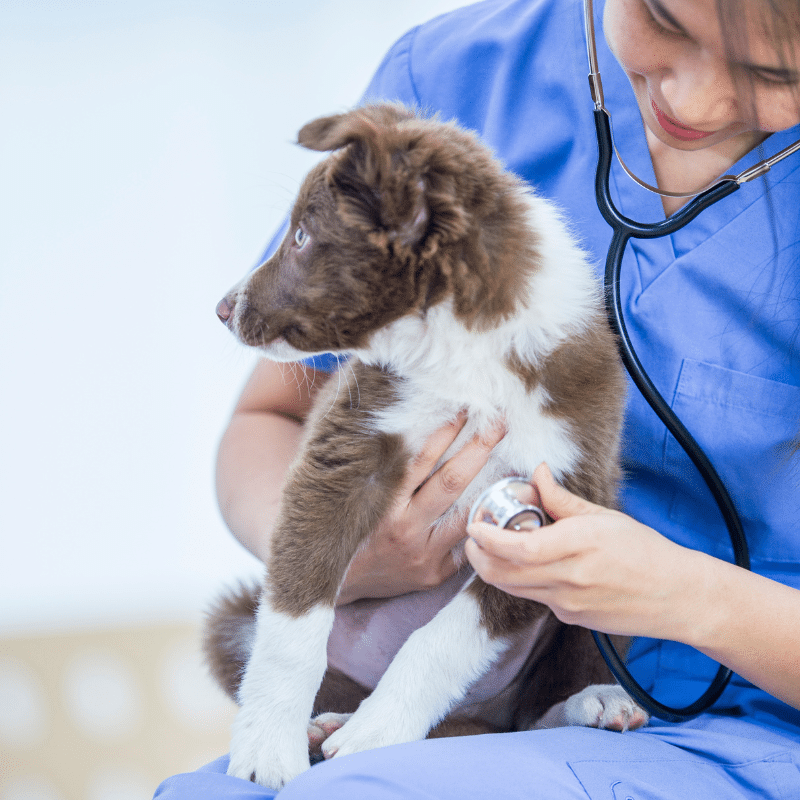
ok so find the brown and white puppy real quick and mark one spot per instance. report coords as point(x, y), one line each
point(451, 287)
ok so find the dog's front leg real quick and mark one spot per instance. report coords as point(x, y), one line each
point(334, 499)
point(285, 669)
point(432, 671)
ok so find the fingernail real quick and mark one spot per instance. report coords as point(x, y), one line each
point(496, 431)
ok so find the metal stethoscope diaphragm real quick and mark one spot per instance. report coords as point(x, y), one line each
point(508, 504)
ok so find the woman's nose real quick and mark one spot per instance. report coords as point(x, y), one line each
point(701, 93)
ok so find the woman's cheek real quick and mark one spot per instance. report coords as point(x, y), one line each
point(777, 110)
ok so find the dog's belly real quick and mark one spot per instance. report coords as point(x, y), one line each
point(368, 634)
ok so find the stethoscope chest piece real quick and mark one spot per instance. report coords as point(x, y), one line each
point(508, 504)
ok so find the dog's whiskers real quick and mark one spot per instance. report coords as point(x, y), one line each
point(336, 396)
point(290, 375)
point(296, 373)
point(349, 392)
point(358, 388)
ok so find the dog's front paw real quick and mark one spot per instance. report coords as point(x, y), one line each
point(263, 755)
point(605, 706)
point(363, 732)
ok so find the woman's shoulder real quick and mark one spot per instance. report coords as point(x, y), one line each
point(459, 63)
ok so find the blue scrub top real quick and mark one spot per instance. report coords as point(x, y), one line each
point(712, 310)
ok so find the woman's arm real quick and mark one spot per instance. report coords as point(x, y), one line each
point(603, 570)
point(260, 444)
point(751, 624)
point(258, 447)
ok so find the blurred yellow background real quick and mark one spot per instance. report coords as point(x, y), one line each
point(106, 714)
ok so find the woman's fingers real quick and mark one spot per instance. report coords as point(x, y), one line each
point(434, 448)
point(506, 555)
point(403, 555)
point(518, 548)
point(447, 484)
point(541, 545)
point(594, 566)
point(504, 566)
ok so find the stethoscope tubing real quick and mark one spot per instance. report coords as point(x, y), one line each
point(625, 229)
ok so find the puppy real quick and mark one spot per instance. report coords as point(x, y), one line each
point(450, 286)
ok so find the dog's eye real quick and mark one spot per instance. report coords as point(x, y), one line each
point(301, 238)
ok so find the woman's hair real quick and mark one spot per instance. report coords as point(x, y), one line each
point(779, 22)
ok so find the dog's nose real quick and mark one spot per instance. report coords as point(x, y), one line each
point(224, 310)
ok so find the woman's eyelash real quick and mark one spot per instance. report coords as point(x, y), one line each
point(764, 75)
point(773, 77)
point(661, 24)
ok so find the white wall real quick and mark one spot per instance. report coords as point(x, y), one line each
point(145, 158)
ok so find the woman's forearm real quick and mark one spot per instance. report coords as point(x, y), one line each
point(248, 484)
point(258, 447)
point(750, 624)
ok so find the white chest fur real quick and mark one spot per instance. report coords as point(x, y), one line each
point(446, 368)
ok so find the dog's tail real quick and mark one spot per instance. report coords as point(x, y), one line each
point(228, 636)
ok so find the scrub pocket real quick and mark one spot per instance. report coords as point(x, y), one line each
point(775, 778)
point(746, 425)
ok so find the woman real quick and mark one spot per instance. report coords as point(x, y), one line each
point(695, 91)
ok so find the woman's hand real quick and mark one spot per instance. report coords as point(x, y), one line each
point(593, 567)
point(603, 570)
point(403, 555)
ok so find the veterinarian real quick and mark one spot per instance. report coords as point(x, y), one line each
point(696, 89)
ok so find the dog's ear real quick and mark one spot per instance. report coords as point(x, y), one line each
point(326, 133)
point(360, 124)
point(379, 178)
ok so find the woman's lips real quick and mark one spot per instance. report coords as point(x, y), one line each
point(676, 129)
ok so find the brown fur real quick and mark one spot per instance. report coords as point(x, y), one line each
point(404, 214)
point(343, 486)
point(228, 631)
point(587, 389)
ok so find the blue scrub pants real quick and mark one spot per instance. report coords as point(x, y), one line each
point(711, 758)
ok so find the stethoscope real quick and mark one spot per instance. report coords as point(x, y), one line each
point(507, 503)
point(625, 229)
